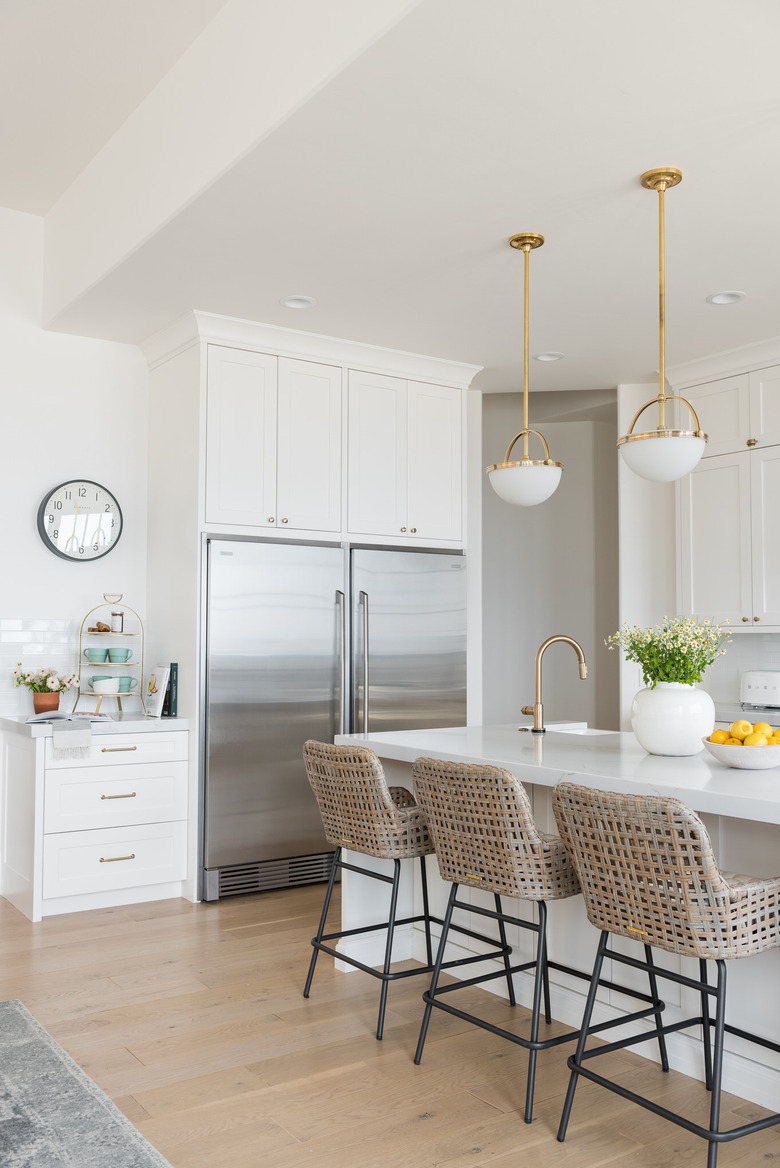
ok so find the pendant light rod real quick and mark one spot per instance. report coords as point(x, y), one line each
point(525, 242)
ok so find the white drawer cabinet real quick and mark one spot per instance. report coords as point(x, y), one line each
point(109, 859)
point(96, 831)
point(81, 798)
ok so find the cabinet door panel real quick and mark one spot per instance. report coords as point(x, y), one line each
point(724, 416)
point(765, 406)
point(434, 461)
point(765, 498)
point(309, 446)
point(376, 492)
point(715, 539)
point(241, 437)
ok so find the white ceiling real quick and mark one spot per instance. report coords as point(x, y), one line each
point(389, 195)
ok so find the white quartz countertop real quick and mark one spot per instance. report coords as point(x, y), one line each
point(611, 761)
point(120, 724)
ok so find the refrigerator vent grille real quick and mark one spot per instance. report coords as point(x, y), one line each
point(241, 878)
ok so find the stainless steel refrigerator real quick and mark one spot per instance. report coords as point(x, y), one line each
point(309, 641)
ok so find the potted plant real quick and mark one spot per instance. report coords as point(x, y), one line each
point(671, 716)
point(46, 686)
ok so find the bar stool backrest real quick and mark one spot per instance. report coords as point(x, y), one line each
point(484, 833)
point(648, 872)
point(357, 807)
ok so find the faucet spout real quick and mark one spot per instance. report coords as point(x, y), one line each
point(538, 709)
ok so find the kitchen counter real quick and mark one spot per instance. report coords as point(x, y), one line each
point(740, 808)
point(124, 723)
point(610, 760)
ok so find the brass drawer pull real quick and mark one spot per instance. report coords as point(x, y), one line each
point(115, 859)
point(130, 796)
point(115, 749)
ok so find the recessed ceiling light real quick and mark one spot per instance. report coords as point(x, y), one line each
point(548, 356)
point(298, 301)
point(725, 297)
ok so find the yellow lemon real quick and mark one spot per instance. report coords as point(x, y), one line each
point(763, 728)
point(774, 741)
point(733, 742)
point(754, 740)
point(740, 729)
point(719, 736)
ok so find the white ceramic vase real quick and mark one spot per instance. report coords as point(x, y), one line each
point(672, 718)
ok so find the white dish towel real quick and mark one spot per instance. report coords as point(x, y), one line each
point(71, 739)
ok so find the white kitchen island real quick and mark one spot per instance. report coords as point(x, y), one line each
point(740, 808)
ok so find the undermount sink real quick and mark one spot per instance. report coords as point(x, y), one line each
point(577, 730)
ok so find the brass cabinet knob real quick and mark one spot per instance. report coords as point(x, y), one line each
point(414, 531)
point(403, 529)
point(755, 618)
point(270, 518)
point(284, 521)
point(752, 441)
point(744, 620)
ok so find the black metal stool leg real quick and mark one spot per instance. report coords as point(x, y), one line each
point(705, 1027)
point(541, 964)
point(321, 927)
point(436, 974)
point(717, 1062)
point(507, 962)
point(656, 1002)
point(380, 1026)
point(426, 913)
point(576, 1059)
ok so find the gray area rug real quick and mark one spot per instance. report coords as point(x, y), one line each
point(51, 1114)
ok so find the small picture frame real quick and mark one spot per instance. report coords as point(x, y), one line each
point(155, 684)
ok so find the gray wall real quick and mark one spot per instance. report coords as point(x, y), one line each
point(551, 569)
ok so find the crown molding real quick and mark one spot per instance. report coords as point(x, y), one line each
point(210, 328)
point(725, 364)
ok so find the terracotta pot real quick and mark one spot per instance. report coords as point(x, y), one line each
point(44, 703)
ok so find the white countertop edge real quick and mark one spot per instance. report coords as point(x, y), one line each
point(120, 724)
point(613, 762)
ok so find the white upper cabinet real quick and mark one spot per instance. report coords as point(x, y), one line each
point(738, 413)
point(241, 437)
point(308, 448)
point(723, 408)
point(376, 467)
point(404, 465)
point(434, 461)
point(715, 540)
point(765, 407)
point(273, 441)
point(765, 502)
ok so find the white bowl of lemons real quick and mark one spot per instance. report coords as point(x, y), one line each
point(745, 746)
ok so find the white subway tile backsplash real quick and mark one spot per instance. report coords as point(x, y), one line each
point(745, 651)
point(37, 643)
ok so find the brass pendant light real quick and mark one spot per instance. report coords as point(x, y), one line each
point(662, 455)
point(529, 481)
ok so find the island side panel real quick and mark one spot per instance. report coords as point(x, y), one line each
point(21, 806)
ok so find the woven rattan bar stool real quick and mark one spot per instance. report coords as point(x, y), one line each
point(648, 873)
point(485, 837)
point(361, 813)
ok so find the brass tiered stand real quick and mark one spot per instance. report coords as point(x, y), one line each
point(88, 639)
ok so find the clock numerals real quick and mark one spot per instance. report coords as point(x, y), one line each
point(80, 521)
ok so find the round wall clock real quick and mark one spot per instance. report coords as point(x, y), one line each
point(80, 520)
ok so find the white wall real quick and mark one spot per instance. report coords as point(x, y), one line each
point(647, 567)
point(69, 407)
point(551, 569)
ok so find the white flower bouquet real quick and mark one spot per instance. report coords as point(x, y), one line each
point(43, 680)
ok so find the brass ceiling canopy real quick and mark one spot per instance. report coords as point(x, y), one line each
point(529, 481)
point(662, 455)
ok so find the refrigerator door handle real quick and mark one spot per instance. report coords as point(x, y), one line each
point(340, 600)
point(364, 606)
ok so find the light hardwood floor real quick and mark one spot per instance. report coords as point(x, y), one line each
point(191, 1018)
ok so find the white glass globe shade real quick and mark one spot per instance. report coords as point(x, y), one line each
point(663, 458)
point(525, 486)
